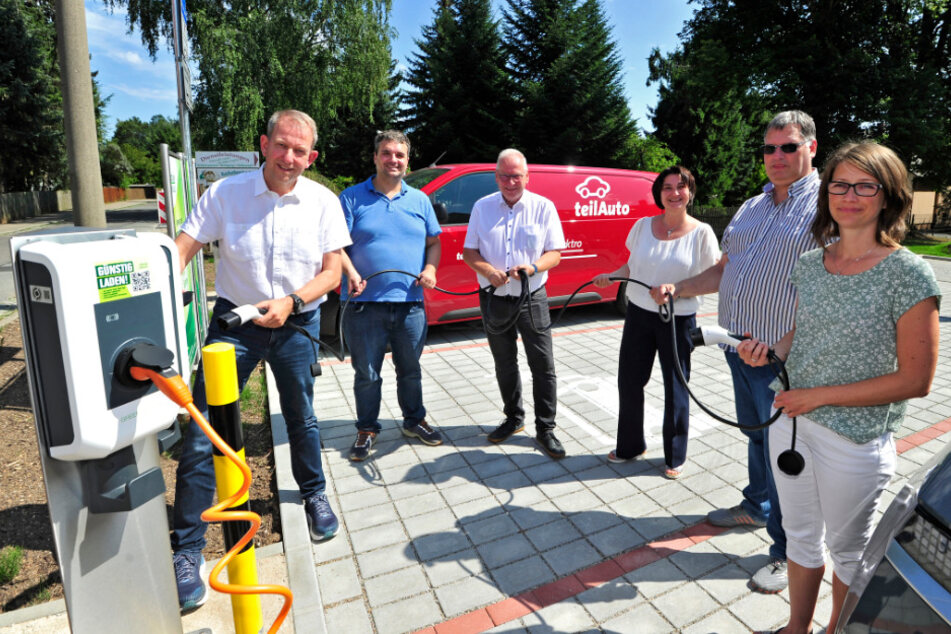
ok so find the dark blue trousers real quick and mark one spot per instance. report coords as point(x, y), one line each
point(644, 336)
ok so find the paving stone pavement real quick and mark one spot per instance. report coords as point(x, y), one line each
point(451, 533)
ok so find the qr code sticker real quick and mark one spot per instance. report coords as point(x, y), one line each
point(141, 281)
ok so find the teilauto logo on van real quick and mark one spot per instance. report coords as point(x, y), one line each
point(595, 187)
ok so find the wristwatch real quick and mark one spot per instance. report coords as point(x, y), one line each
point(298, 304)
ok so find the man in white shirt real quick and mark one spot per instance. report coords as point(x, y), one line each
point(280, 238)
point(511, 233)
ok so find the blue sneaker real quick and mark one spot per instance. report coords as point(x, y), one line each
point(189, 577)
point(320, 518)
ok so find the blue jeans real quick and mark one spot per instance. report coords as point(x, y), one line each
point(754, 404)
point(644, 336)
point(289, 354)
point(370, 327)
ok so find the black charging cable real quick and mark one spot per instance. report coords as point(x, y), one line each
point(242, 314)
point(790, 461)
point(525, 299)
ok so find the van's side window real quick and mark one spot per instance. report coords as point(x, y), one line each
point(460, 194)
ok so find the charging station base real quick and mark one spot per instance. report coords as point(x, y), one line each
point(116, 567)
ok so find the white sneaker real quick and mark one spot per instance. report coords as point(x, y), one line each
point(771, 578)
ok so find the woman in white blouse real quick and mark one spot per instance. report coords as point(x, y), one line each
point(672, 245)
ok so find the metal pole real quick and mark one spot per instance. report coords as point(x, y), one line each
point(79, 115)
point(166, 185)
point(179, 35)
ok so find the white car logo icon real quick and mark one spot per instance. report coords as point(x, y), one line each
point(593, 186)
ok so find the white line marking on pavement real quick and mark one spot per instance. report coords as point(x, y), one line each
point(593, 431)
point(601, 391)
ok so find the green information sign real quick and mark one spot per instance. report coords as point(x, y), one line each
point(179, 200)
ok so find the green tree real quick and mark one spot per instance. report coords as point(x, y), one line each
point(568, 76)
point(459, 106)
point(140, 140)
point(115, 167)
point(257, 56)
point(712, 126)
point(651, 154)
point(348, 142)
point(874, 69)
point(31, 116)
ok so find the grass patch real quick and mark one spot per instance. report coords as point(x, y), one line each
point(11, 560)
point(926, 246)
point(254, 396)
point(43, 594)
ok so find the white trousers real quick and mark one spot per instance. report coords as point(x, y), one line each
point(834, 498)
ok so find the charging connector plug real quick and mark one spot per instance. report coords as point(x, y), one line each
point(240, 316)
point(712, 335)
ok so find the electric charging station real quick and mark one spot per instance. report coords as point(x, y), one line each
point(88, 301)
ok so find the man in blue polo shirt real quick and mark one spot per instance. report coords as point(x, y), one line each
point(393, 226)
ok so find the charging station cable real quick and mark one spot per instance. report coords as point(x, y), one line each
point(789, 461)
point(241, 315)
point(151, 363)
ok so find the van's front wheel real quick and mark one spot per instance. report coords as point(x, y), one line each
point(621, 302)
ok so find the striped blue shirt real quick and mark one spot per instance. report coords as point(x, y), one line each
point(762, 243)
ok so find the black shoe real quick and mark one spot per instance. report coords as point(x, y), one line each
point(506, 429)
point(550, 444)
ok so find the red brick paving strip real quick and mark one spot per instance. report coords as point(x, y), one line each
point(574, 584)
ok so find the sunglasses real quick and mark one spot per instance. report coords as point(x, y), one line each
point(787, 148)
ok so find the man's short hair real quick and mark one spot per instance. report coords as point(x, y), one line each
point(509, 153)
point(807, 127)
point(390, 135)
point(301, 117)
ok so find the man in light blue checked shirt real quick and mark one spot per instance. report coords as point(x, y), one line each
point(760, 246)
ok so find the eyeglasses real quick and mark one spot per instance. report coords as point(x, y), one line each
point(787, 148)
point(510, 177)
point(866, 190)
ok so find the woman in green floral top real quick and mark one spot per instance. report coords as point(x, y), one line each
point(865, 340)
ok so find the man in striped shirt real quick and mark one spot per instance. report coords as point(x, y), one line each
point(760, 246)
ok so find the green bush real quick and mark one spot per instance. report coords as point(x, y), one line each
point(11, 558)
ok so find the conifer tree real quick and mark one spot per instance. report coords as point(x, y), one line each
point(568, 75)
point(31, 115)
point(459, 107)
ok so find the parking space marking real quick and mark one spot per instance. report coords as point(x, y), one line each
point(602, 392)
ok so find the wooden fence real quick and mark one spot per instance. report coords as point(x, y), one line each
point(22, 205)
point(716, 217)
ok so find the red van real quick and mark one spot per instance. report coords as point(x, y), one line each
point(597, 207)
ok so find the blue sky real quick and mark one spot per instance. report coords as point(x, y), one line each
point(143, 88)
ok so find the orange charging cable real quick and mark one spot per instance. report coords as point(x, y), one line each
point(172, 386)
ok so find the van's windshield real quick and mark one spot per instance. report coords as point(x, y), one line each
point(421, 178)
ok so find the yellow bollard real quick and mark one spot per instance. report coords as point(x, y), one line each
point(224, 413)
